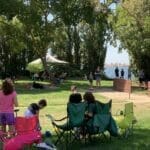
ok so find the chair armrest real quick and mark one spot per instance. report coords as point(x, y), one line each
point(16, 110)
point(119, 112)
point(62, 118)
point(52, 118)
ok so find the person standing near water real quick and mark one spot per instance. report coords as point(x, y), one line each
point(122, 74)
point(116, 72)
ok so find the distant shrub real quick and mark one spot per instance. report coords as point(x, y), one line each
point(72, 71)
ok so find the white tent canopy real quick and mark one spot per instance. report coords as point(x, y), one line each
point(51, 59)
point(37, 66)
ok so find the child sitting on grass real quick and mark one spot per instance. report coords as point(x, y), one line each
point(34, 109)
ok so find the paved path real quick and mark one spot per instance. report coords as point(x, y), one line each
point(122, 96)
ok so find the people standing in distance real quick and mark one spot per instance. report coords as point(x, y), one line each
point(122, 74)
point(141, 78)
point(117, 72)
point(8, 100)
point(97, 77)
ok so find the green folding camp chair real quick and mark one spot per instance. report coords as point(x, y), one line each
point(74, 121)
point(126, 120)
point(102, 120)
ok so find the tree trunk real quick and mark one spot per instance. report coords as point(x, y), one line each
point(69, 46)
point(77, 47)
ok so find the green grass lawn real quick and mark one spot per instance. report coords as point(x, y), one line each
point(57, 99)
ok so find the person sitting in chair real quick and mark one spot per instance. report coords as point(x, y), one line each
point(91, 110)
point(98, 116)
point(75, 98)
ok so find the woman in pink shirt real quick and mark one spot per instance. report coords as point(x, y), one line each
point(8, 99)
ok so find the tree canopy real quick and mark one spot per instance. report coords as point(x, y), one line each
point(75, 30)
point(132, 27)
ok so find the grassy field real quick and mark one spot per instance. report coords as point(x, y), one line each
point(57, 99)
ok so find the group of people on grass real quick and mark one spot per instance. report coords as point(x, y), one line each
point(88, 97)
point(8, 100)
point(94, 112)
point(75, 97)
point(97, 76)
point(55, 78)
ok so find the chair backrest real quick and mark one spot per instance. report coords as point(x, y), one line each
point(102, 117)
point(128, 115)
point(103, 108)
point(25, 125)
point(76, 112)
point(3, 136)
point(128, 109)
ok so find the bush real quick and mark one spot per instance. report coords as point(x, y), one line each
point(72, 71)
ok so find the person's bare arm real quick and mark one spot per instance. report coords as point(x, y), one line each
point(37, 113)
point(15, 101)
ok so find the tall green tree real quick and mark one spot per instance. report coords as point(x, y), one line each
point(11, 44)
point(80, 44)
point(10, 8)
point(131, 26)
point(38, 27)
point(70, 12)
point(65, 34)
point(14, 53)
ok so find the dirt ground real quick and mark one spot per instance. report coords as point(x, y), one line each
point(141, 101)
point(122, 96)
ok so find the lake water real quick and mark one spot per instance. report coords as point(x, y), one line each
point(110, 71)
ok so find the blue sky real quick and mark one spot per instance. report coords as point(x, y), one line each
point(113, 56)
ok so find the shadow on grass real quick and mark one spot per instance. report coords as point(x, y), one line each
point(140, 140)
point(24, 87)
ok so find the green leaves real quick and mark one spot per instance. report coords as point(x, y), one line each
point(131, 26)
point(77, 33)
